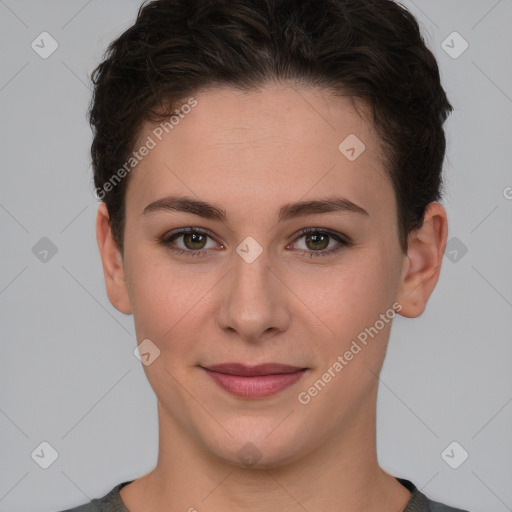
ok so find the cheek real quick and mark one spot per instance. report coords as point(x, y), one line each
point(163, 296)
point(350, 301)
point(356, 291)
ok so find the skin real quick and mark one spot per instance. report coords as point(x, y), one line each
point(249, 153)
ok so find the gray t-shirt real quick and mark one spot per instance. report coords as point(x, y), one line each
point(112, 502)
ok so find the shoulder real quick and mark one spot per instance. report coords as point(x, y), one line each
point(87, 507)
point(439, 507)
point(420, 503)
point(111, 502)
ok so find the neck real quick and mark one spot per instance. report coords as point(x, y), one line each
point(342, 475)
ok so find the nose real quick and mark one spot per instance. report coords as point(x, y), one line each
point(255, 301)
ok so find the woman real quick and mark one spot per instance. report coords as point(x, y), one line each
point(269, 173)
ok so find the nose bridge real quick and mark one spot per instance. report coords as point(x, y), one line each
point(251, 277)
point(254, 301)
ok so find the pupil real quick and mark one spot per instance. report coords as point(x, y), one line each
point(195, 237)
point(317, 238)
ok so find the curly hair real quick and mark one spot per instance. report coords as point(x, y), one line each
point(370, 50)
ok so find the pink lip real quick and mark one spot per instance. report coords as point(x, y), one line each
point(254, 381)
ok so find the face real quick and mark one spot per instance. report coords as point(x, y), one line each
point(262, 270)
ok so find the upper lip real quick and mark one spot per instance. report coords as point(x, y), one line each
point(260, 369)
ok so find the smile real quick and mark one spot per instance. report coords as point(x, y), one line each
point(254, 382)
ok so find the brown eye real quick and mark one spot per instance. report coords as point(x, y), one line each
point(189, 241)
point(317, 242)
point(194, 240)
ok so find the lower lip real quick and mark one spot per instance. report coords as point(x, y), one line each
point(259, 386)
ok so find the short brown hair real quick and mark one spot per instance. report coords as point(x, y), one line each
point(367, 49)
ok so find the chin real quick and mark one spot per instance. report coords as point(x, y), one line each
point(260, 446)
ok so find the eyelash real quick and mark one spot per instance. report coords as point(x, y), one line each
point(168, 238)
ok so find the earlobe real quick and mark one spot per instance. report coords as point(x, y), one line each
point(423, 261)
point(112, 262)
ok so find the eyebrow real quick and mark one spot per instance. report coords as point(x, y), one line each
point(286, 212)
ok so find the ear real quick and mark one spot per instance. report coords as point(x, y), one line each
point(112, 261)
point(423, 261)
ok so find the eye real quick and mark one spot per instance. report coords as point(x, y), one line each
point(193, 240)
point(317, 242)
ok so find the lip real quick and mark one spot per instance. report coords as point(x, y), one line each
point(258, 381)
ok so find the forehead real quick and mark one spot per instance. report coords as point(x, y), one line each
point(275, 141)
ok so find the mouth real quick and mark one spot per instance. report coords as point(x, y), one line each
point(258, 381)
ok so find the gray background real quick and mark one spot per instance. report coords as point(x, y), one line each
point(68, 373)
